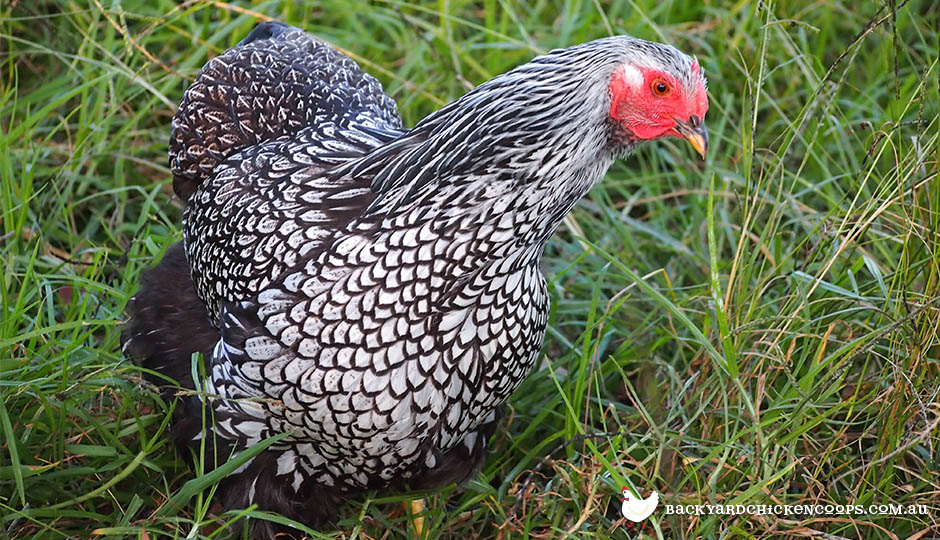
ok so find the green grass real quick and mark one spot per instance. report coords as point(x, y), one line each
point(761, 328)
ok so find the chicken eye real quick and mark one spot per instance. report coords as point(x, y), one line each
point(660, 88)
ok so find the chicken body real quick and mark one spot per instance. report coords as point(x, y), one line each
point(373, 292)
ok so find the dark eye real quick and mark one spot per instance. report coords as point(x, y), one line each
point(660, 88)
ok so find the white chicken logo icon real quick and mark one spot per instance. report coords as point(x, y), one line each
point(636, 509)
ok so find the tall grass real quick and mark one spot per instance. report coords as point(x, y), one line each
point(760, 328)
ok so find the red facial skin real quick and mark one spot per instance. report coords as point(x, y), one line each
point(650, 116)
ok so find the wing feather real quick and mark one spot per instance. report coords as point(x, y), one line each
point(249, 146)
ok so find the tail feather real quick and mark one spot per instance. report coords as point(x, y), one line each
point(276, 82)
point(168, 322)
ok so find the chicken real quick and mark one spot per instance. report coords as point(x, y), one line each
point(636, 509)
point(373, 294)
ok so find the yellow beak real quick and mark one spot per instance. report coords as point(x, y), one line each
point(694, 132)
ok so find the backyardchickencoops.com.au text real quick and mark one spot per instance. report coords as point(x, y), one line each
point(797, 509)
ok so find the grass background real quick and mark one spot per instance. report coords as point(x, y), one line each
point(760, 328)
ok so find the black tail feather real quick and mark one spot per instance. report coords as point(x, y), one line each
point(168, 321)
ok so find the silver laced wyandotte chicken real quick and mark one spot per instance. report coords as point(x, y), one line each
point(369, 292)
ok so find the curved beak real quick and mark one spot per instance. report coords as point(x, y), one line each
point(694, 132)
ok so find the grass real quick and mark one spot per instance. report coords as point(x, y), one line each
point(761, 328)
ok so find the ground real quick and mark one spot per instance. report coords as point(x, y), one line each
point(760, 328)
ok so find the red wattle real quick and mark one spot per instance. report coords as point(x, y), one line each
point(646, 131)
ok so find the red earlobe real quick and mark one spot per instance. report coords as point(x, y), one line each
point(618, 93)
